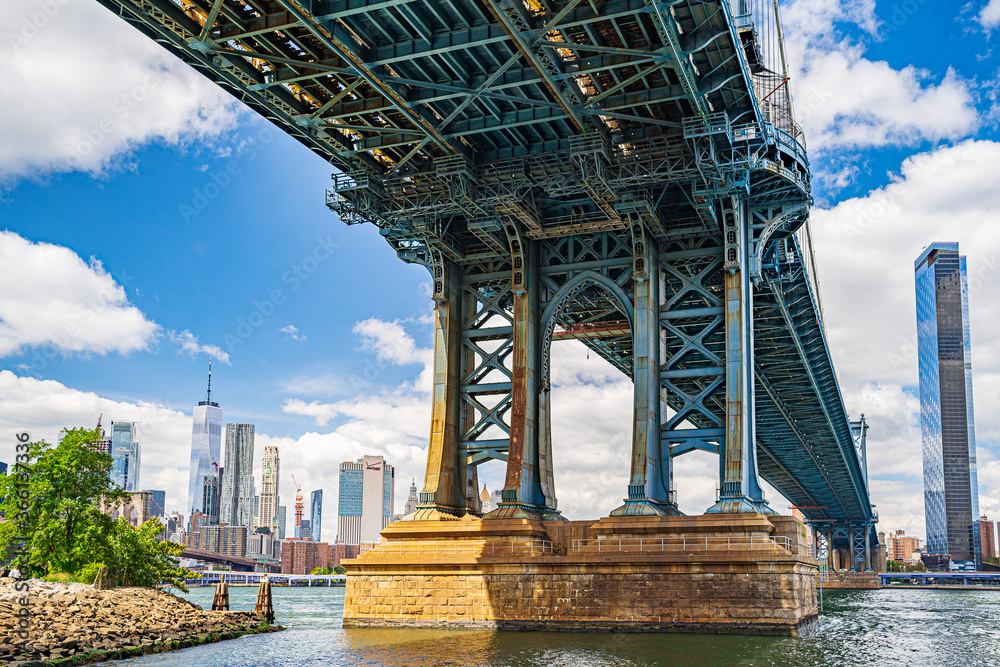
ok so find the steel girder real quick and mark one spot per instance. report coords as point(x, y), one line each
point(572, 165)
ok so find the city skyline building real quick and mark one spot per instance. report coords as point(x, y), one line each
point(210, 499)
point(206, 446)
point(270, 468)
point(987, 537)
point(947, 422)
point(236, 492)
point(125, 452)
point(899, 546)
point(304, 530)
point(365, 501)
point(411, 500)
point(316, 514)
point(282, 520)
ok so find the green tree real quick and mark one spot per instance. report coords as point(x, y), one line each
point(63, 527)
point(135, 557)
point(339, 570)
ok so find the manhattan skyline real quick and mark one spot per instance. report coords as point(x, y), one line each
point(334, 366)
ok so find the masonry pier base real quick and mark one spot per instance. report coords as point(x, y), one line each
point(720, 573)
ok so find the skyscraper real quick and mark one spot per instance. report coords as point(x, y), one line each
point(267, 515)
point(987, 537)
point(365, 504)
point(316, 514)
point(125, 450)
point(206, 445)
point(411, 500)
point(282, 518)
point(210, 499)
point(236, 494)
point(947, 424)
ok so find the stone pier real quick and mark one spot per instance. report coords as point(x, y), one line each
point(731, 573)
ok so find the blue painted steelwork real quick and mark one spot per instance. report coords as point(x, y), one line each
point(627, 172)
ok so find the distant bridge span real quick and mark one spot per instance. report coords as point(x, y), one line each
point(623, 172)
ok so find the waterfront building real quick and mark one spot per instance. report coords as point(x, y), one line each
point(222, 539)
point(206, 446)
point(987, 537)
point(281, 520)
point(125, 453)
point(365, 504)
point(411, 500)
point(302, 557)
point(900, 547)
point(236, 494)
point(341, 552)
point(947, 424)
point(159, 501)
point(210, 499)
point(316, 514)
point(262, 546)
point(267, 515)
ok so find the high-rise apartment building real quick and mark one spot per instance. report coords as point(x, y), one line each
point(206, 446)
point(987, 537)
point(267, 514)
point(947, 424)
point(236, 494)
point(316, 514)
point(365, 504)
point(125, 452)
point(210, 499)
point(282, 519)
point(899, 546)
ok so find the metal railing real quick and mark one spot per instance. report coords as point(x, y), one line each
point(533, 547)
point(668, 544)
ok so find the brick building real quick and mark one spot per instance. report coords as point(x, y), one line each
point(988, 537)
point(304, 556)
point(900, 547)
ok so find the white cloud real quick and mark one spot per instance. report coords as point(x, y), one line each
point(865, 250)
point(84, 89)
point(846, 101)
point(292, 331)
point(989, 18)
point(191, 346)
point(50, 297)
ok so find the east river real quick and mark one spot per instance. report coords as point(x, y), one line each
point(888, 627)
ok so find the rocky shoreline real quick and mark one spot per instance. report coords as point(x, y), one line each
point(73, 624)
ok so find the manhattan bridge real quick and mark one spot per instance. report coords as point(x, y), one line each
point(626, 173)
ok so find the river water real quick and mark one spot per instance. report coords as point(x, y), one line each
point(893, 627)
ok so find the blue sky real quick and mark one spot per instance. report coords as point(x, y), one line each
point(199, 211)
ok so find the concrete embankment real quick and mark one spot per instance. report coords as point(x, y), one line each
point(73, 624)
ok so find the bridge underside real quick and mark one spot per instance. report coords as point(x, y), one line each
point(625, 173)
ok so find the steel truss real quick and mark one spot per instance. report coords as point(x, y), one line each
point(612, 171)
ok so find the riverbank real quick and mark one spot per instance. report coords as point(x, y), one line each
point(73, 624)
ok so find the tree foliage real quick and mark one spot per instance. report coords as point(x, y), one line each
point(61, 528)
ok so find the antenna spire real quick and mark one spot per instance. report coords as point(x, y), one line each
point(209, 399)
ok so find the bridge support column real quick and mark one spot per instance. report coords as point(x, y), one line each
point(650, 473)
point(443, 495)
point(528, 491)
point(740, 488)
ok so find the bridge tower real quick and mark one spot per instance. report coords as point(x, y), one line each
point(627, 173)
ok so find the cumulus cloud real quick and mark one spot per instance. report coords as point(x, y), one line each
point(846, 101)
point(79, 104)
point(865, 250)
point(50, 297)
point(989, 17)
point(191, 346)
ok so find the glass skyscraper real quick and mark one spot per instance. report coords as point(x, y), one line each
point(316, 514)
point(206, 445)
point(365, 502)
point(125, 450)
point(236, 494)
point(947, 424)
